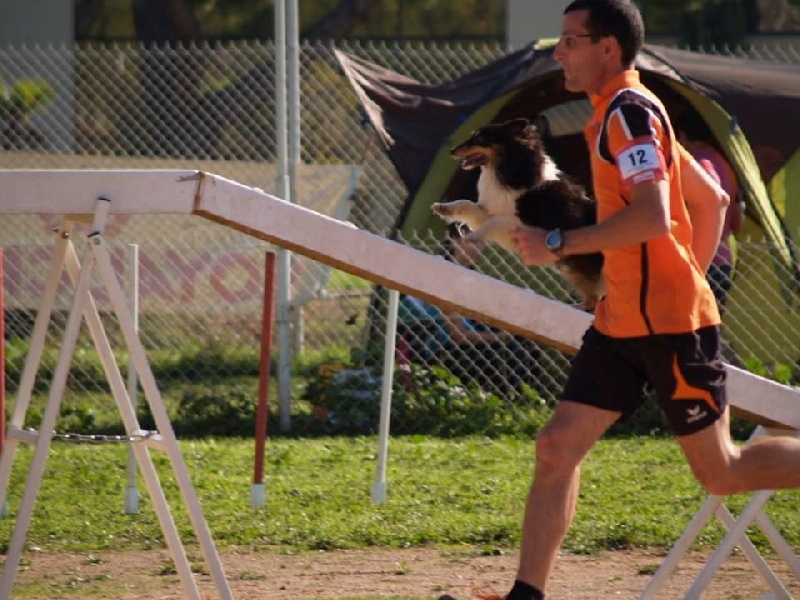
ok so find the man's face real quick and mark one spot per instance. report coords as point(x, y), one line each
point(579, 54)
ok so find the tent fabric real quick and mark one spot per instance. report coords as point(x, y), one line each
point(418, 121)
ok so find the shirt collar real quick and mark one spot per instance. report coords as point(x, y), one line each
point(625, 79)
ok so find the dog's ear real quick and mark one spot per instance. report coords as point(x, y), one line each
point(542, 126)
point(517, 125)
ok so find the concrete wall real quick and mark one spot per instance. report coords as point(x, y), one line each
point(36, 21)
point(42, 33)
point(528, 20)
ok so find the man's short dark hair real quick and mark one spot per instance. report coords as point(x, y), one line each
point(620, 19)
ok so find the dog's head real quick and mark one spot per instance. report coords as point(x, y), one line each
point(486, 145)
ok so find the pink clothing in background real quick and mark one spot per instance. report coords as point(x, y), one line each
point(721, 171)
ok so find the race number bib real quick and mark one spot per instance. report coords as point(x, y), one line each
point(640, 162)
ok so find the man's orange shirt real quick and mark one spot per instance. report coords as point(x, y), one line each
point(656, 287)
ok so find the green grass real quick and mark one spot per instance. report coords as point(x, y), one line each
point(636, 492)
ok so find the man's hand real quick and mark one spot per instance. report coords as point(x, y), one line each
point(529, 242)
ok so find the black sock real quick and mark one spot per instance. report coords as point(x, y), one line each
point(524, 591)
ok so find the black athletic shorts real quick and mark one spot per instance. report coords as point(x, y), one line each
point(685, 370)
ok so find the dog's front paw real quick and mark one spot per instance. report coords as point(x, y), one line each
point(445, 210)
point(475, 237)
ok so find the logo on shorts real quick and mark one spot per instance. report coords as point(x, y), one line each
point(695, 414)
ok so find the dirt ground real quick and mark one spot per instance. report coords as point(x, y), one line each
point(421, 573)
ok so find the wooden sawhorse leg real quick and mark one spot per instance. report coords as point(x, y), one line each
point(98, 257)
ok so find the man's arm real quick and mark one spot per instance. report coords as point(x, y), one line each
point(633, 138)
point(707, 203)
point(645, 218)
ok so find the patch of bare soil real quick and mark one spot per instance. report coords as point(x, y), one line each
point(421, 573)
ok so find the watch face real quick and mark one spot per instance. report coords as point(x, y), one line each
point(553, 240)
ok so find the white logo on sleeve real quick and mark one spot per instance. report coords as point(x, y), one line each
point(638, 159)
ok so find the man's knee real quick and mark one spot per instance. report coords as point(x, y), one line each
point(554, 450)
point(720, 481)
point(716, 462)
point(721, 484)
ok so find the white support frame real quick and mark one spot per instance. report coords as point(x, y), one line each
point(735, 536)
point(83, 307)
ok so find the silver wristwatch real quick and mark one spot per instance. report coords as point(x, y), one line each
point(554, 241)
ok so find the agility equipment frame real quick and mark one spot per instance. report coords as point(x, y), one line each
point(83, 307)
point(339, 245)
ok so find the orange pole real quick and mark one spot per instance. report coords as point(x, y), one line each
point(267, 320)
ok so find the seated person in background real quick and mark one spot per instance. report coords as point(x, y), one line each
point(472, 351)
point(694, 134)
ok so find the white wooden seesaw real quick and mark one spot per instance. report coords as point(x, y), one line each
point(89, 196)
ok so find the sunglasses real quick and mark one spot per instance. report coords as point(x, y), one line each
point(569, 40)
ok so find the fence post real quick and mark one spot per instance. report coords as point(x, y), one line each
point(131, 493)
point(3, 505)
point(284, 192)
point(379, 487)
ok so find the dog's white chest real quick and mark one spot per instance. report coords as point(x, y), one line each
point(495, 197)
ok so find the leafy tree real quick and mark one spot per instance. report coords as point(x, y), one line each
point(186, 20)
point(702, 23)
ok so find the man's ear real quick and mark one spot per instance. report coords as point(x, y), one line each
point(611, 47)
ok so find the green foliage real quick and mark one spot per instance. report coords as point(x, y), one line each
point(776, 371)
point(715, 25)
point(249, 19)
point(86, 369)
point(211, 361)
point(24, 97)
point(17, 103)
point(217, 411)
point(79, 417)
point(212, 390)
point(431, 401)
point(309, 362)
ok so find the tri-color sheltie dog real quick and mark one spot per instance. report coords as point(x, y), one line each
point(520, 184)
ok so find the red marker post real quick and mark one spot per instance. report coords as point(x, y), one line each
point(267, 321)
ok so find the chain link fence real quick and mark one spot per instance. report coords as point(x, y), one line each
point(211, 107)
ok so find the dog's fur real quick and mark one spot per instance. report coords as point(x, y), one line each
point(520, 184)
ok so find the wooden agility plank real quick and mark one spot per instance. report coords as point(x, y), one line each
point(343, 246)
point(407, 270)
point(76, 192)
point(397, 266)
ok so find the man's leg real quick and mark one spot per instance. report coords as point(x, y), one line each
point(724, 468)
point(560, 448)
